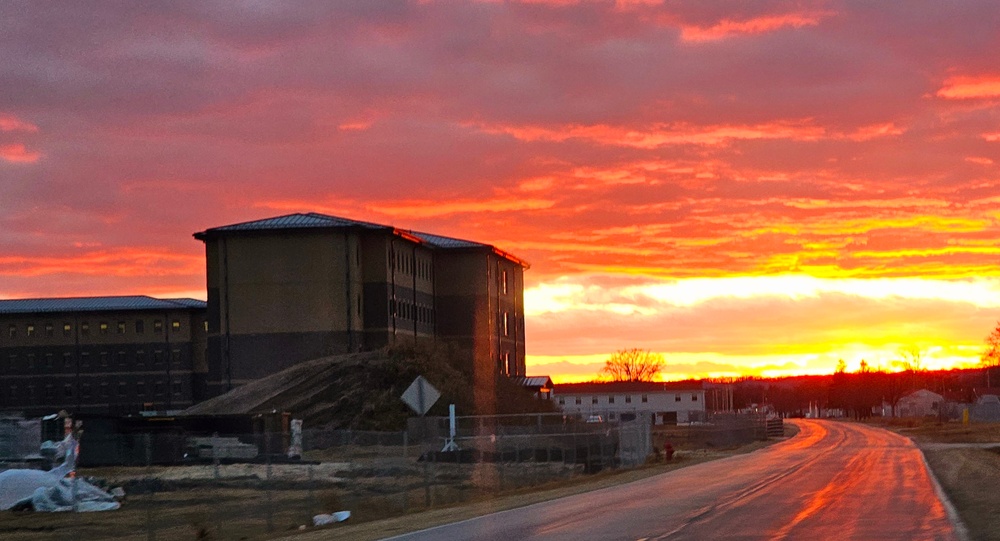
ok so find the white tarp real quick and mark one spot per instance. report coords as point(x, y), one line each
point(53, 490)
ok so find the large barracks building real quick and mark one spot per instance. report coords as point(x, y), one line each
point(280, 291)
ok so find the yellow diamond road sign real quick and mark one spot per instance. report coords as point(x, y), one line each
point(420, 395)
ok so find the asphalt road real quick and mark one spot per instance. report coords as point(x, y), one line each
point(832, 481)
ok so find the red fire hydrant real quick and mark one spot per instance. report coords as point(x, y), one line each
point(668, 451)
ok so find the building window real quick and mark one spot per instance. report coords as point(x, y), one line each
point(67, 329)
point(677, 398)
point(49, 329)
point(85, 390)
point(104, 358)
point(85, 359)
point(694, 398)
point(158, 388)
point(140, 357)
point(49, 363)
point(68, 360)
point(31, 330)
point(140, 326)
point(105, 391)
point(157, 356)
point(579, 400)
point(68, 391)
point(140, 388)
point(121, 327)
point(503, 282)
point(562, 400)
point(122, 356)
point(85, 329)
point(50, 392)
point(175, 356)
point(506, 324)
point(12, 331)
point(611, 400)
point(593, 400)
point(175, 325)
point(177, 388)
point(122, 389)
point(104, 327)
point(157, 326)
point(12, 362)
point(31, 361)
point(628, 399)
point(13, 392)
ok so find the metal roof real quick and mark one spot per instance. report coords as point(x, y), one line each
point(533, 381)
point(438, 241)
point(315, 220)
point(294, 221)
point(96, 304)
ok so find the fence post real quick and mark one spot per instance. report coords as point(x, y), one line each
point(150, 526)
point(427, 482)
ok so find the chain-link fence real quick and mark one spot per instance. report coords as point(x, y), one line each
point(245, 486)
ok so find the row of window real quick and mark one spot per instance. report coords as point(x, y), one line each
point(410, 264)
point(50, 361)
point(628, 399)
point(103, 327)
point(51, 392)
point(407, 310)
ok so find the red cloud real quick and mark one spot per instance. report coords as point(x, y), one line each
point(757, 25)
point(12, 123)
point(17, 153)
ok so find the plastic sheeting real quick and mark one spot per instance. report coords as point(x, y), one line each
point(53, 490)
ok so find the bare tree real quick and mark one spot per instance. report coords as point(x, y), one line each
point(911, 359)
point(991, 354)
point(633, 365)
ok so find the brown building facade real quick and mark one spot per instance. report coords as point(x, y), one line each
point(101, 355)
point(292, 288)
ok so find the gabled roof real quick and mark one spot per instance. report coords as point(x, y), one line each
point(96, 304)
point(315, 220)
point(627, 387)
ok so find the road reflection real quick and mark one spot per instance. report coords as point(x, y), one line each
point(834, 480)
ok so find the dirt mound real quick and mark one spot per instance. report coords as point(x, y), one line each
point(328, 390)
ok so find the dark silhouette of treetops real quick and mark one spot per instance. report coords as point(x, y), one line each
point(633, 365)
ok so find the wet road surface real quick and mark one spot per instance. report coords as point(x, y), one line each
point(832, 481)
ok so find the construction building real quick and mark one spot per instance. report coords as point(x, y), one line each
point(101, 355)
point(291, 288)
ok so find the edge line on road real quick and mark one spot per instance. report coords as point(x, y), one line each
point(956, 520)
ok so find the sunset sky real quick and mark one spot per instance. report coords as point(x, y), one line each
point(747, 188)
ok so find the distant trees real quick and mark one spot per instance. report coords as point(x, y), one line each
point(633, 365)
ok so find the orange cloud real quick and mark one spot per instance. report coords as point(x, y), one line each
point(124, 262)
point(660, 135)
point(966, 87)
point(17, 153)
point(757, 25)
